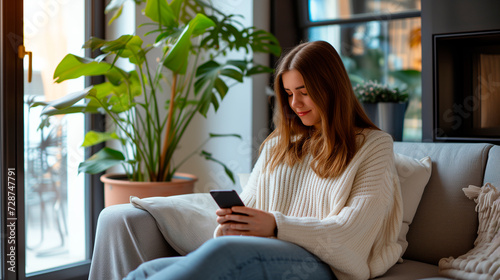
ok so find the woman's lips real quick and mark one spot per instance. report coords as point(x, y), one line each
point(301, 114)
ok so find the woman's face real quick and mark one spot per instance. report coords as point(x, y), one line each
point(298, 99)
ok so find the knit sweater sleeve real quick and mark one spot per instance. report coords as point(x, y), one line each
point(357, 239)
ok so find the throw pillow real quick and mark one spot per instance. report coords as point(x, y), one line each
point(186, 221)
point(413, 176)
point(482, 261)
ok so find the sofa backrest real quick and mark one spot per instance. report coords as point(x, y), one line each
point(445, 223)
point(492, 172)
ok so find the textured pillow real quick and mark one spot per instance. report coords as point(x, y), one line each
point(413, 176)
point(483, 261)
point(186, 221)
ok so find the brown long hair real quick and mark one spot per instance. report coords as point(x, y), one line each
point(342, 116)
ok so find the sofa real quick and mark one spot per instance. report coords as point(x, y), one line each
point(445, 223)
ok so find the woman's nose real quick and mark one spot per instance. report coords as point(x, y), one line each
point(296, 101)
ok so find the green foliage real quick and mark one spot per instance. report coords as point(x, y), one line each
point(101, 160)
point(194, 38)
point(373, 92)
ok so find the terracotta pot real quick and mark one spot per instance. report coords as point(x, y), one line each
point(118, 189)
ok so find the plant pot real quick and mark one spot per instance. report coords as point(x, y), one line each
point(388, 116)
point(391, 117)
point(371, 110)
point(118, 189)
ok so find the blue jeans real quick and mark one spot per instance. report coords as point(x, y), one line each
point(238, 257)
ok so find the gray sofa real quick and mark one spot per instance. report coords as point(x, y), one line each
point(445, 223)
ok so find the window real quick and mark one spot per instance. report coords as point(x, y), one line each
point(53, 209)
point(378, 40)
point(54, 191)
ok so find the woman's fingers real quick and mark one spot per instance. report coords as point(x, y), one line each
point(234, 229)
point(223, 211)
point(244, 210)
point(222, 215)
point(238, 218)
point(241, 220)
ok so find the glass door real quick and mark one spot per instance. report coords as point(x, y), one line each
point(54, 191)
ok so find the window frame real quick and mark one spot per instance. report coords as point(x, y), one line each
point(356, 18)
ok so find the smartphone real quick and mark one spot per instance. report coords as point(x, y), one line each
point(226, 198)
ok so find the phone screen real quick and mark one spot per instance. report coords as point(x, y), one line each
point(226, 198)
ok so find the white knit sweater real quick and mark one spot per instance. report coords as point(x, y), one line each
point(351, 222)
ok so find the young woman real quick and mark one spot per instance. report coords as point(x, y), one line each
point(323, 200)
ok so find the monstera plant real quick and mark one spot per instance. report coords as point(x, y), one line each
point(192, 73)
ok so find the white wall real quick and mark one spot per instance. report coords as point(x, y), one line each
point(123, 25)
point(243, 111)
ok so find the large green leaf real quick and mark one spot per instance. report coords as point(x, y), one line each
point(176, 5)
point(118, 44)
point(177, 57)
point(232, 73)
point(116, 6)
point(240, 64)
point(259, 69)
point(160, 11)
point(209, 83)
point(101, 161)
point(127, 46)
point(93, 137)
point(118, 98)
point(116, 15)
point(75, 109)
point(67, 100)
point(94, 43)
point(72, 67)
point(226, 33)
point(264, 42)
point(103, 90)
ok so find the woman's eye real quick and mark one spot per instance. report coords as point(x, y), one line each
point(303, 93)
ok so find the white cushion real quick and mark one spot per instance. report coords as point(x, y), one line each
point(413, 176)
point(186, 221)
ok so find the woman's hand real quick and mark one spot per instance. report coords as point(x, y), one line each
point(256, 223)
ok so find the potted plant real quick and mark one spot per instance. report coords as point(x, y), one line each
point(385, 106)
point(193, 38)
